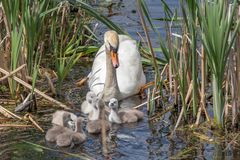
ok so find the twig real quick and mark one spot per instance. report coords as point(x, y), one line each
point(36, 90)
point(15, 125)
point(144, 25)
point(203, 137)
point(53, 90)
point(103, 131)
point(148, 99)
point(7, 101)
point(12, 114)
point(189, 92)
point(178, 121)
point(34, 122)
point(82, 81)
point(13, 72)
point(140, 105)
point(6, 114)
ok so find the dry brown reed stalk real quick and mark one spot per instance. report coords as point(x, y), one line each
point(173, 68)
point(13, 72)
point(185, 51)
point(175, 89)
point(226, 94)
point(22, 61)
point(189, 92)
point(6, 114)
point(15, 125)
point(152, 96)
point(7, 101)
point(178, 120)
point(104, 132)
point(5, 57)
point(203, 84)
point(34, 122)
point(36, 90)
point(149, 91)
point(81, 82)
point(50, 84)
point(170, 76)
point(144, 25)
point(145, 103)
point(203, 137)
point(148, 99)
point(10, 113)
point(233, 89)
point(236, 98)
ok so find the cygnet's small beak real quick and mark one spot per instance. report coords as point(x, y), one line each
point(114, 57)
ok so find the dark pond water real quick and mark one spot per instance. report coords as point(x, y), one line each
point(144, 140)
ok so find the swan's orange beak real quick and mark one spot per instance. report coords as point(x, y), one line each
point(114, 57)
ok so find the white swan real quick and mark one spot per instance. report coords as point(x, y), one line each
point(118, 54)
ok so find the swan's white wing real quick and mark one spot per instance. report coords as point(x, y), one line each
point(98, 73)
point(129, 74)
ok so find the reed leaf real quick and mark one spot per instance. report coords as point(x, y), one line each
point(218, 35)
point(92, 12)
point(189, 10)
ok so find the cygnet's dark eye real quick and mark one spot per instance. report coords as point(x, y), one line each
point(89, 101)
point(95, 107)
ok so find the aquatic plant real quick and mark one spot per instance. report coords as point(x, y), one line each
point(219, 30)
point(199, 19)
point(36, 30)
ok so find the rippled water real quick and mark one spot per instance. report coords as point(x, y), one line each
point(139, 141)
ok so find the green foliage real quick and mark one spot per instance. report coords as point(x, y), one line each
point(218, 35)
point(37, 29)
point(15, 28)
point(214, 23)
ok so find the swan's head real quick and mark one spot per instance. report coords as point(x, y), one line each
point(111, 41)
point(113, 104)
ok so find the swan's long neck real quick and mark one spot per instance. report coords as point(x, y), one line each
point(111, 89)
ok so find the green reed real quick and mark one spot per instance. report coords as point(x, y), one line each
point(218, 36)
point(208, 24)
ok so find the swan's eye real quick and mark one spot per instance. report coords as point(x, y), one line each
point(114, 49)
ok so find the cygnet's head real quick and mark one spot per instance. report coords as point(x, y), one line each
point(91, 97)
point(111, 41)
point(71, 125)
point(113, 104)
point(66, 119)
